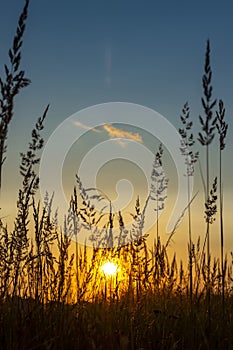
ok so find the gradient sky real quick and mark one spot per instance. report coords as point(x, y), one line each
point(81, 53)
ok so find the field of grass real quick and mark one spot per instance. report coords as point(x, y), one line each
point(68, 302)
point(54, 293)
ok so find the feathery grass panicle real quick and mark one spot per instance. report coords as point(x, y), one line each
point(208, 124)
point(210, 205)
point(159, 185)
point(221, 124)
point(10, 87)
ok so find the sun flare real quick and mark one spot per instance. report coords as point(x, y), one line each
point(109, 268)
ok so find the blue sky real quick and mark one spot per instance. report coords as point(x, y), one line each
point(81, 53)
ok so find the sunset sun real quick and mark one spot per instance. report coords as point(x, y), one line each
point(109, 268)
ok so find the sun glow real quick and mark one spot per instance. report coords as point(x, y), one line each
point(109, 268)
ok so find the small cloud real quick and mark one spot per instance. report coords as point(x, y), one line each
point(119, 133)
point(86, 127)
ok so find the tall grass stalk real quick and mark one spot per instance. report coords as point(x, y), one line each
point(187, 141)
point(206, 137)
point(19, 238)
point(222, 127)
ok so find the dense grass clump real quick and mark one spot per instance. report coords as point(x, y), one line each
point(164, 322)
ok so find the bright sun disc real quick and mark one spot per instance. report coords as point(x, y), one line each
point(109, 268)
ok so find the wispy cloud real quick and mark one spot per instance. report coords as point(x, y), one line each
point(113, 133)
point(119, 133)
point(86, 127)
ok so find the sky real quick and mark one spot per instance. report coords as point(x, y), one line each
point(83, 53)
